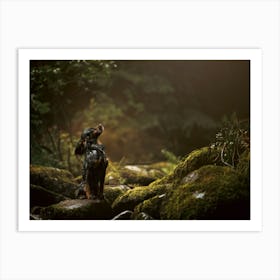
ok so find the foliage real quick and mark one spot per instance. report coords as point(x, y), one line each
point(231, 140)
point(58, 90)
point(133, 197)
point(145, 106)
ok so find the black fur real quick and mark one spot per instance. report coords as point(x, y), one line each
point(95, 163)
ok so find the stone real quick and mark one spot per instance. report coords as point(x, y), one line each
point(53, 179)
point(76, 209)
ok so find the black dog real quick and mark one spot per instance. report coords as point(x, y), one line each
point(95, 163)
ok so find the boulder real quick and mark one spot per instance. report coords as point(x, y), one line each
point(209, 193)
point(53, 179)
point(77, 209)
point(40, 196)
point(150, 207)
point(133, 175)
point(112, 192)
point(191, 162)
point(195, 160)
point(133, 197)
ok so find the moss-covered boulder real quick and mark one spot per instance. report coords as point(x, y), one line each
point(195, 160)
point(211, 192)
point(53, 179)
point(133, 175)
point(77, 209)
point(149, 206)
point(40, 196)
point(133, 197)
point(112, 192)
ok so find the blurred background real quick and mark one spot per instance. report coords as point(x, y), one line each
point(151, 110)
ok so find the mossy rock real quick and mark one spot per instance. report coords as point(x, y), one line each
point(195, 160)
point(133, 175)
point(53, 179)
point(209, 193)
point(149, 206)
point(133, 197)
point(112, 192)
point(77, 209)
point(40, 196)
point(113, 178)
point(134, 178)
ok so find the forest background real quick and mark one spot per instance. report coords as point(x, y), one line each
point(151, 110)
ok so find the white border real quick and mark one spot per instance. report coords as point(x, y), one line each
point(254, 55)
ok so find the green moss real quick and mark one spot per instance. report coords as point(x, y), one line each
point(195, 160)
point(111, 193)
point(137, 195)
point(215, 193)
point(51, 172)
point(57, 180)
point(132, 174)
point(150, 206)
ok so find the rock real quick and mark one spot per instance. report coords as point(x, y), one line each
point(212, 193)
point(145, 170)
point(76, 209)
point(140, 174)
point(149, 206)
point(132, 174)
point(133, 197)
point(195, 160)
point(53, 179)
point(136, 178)
point(40, 196)
point(200, 187)
point(112, 192)
point(125, 215)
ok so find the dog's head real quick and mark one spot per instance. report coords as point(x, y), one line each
point(93, 132)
